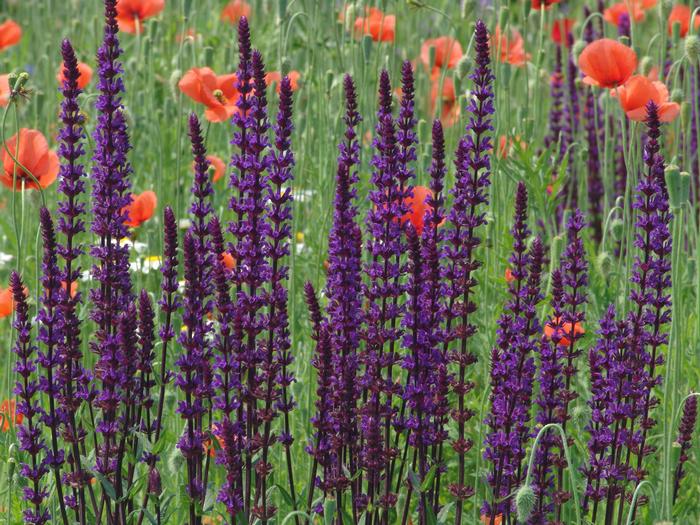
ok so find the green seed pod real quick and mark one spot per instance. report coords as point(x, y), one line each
point(692, 48)
point(525, 500)
point(366, 47)
point(604, 264)
point(678, 185)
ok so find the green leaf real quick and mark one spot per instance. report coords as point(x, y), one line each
point(329, 511)
point(428, 480)
point(106, 486)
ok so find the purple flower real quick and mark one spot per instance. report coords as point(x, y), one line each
point(29, 434)
point(344, 303)
point(686, 429)
point(473, 171)
point(190, 363)
point(110, 194)
point(513, 367)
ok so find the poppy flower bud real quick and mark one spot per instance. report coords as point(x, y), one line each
point(173, 82)
point(578, 47)
point(645, 65)
point(464, 67)
point(677, 96)
point(366, 47)
point(154, 485)
point(692, 48)
point(281, 9)
point(285, 66)
point(686, 113)
point(350, 15)
point(12, 79)
point(329, 80)
point(415, 4)
point(617, 228)
point(524, 502)
point(604, 264)
point(503, 17)
point(678, 185)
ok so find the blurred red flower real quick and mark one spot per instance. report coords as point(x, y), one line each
point(10, 34)
point(141, 208)
point(448, 52)
point(561, 29)
point(511, 49)
point(9, 415)
point(84, 77)
point(235, 10)
point(275, 77)
point(34, 156)
point(681, 14)
point(131, 13)
point(376, 24)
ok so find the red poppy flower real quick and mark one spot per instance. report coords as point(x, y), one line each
point(607, 63)
point(217, 167)
point(449, 106)
point(638, 91)
point(217, 92)
point(418, 204)
point(509, 275)
point(73, 287)
point(498, 520)
point(376, 24)
point(553, 326)
point(84, 75)
point(561, 29)
point(681, 14)
point(10, 34)
point(9, 415)
point(275, 77)
point(6, 302)
point(131, 13)
point(506, 145)
point(235, 10)
point(141, 208)
point(613, 13)
point(448, 52)
point(34, 155)
point(4, 90)
point(228, 260)
point(537, 4)
point(511, 49)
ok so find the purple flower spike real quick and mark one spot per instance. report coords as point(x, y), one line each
point(72, 378)
point(686, 429)
point(344, 307)
point(110, 195)
point(473, 171)
point(26, 388)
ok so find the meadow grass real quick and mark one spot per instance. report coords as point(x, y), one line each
point(305, 35)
